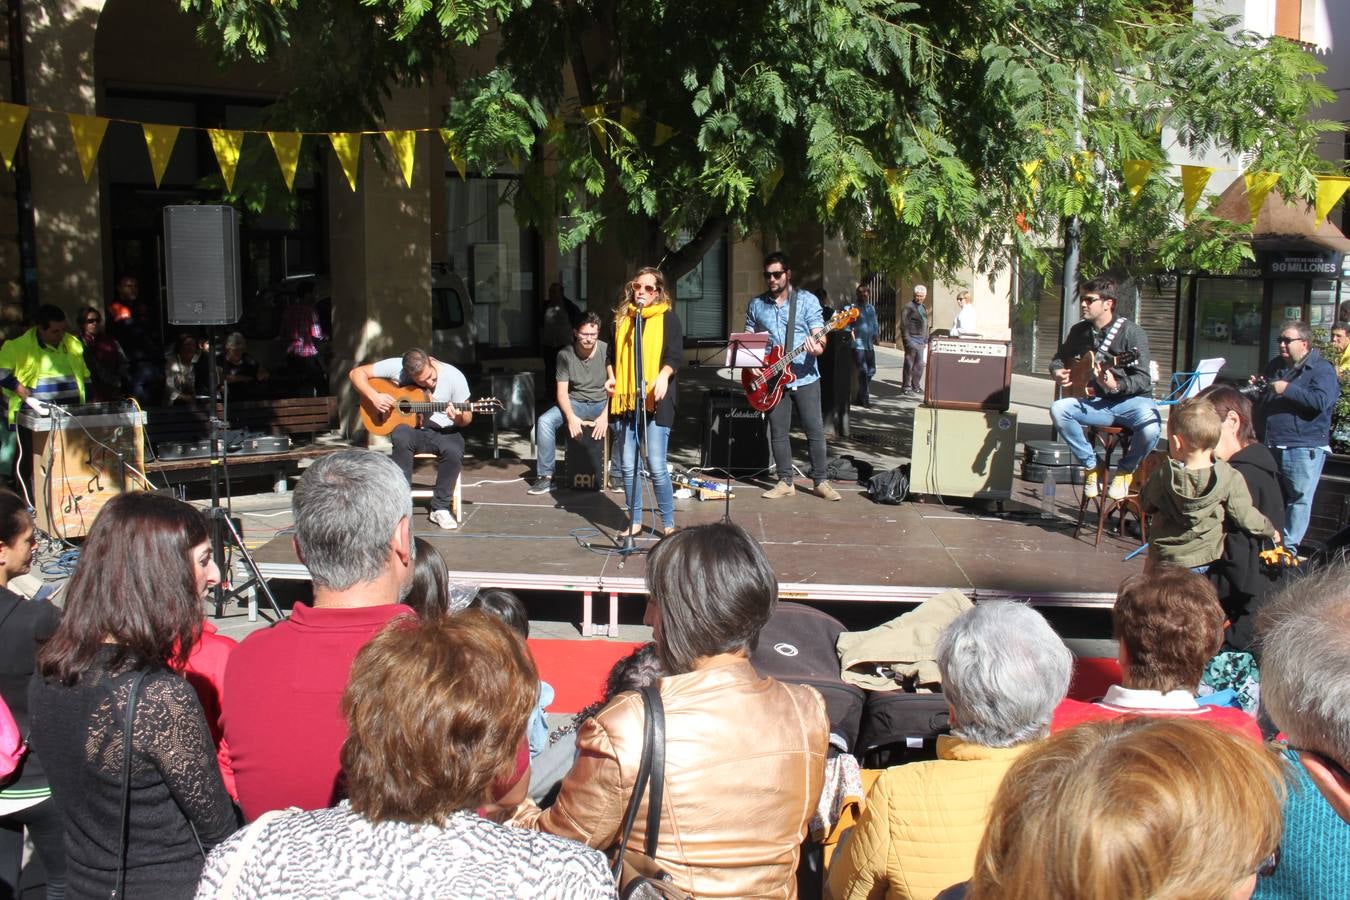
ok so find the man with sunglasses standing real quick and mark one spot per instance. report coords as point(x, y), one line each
point(793, 317)
point(1301, 392)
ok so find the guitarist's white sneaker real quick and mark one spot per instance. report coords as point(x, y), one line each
point(444, 518)
point(1119, 488)
point(1090, 486)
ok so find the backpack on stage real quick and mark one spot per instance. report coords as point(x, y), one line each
point(797, 646)
point(890, 487)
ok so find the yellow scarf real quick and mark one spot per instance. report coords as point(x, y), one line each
point(653, 337)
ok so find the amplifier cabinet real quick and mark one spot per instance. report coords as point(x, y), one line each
point(963, 453)
point(735, 436)
point(965, 373)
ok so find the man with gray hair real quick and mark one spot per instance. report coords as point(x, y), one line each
point(1004, 670)
point(1304, 636)
point(283, 685)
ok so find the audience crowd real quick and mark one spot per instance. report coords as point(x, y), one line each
point(382, 741)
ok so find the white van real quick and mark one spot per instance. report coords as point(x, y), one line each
point(454, 335)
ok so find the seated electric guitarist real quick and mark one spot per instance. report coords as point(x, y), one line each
point(1113, 392)
point(769, 312)
point(437, 433)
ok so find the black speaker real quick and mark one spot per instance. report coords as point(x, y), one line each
point(735, 436)
point(201, 258)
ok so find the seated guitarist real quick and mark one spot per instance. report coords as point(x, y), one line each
point(769, 312)
point(437, 433)
point(1121, 394)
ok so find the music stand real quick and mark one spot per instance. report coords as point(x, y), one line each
point(745, 350)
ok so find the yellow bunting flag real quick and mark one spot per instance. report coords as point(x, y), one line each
point(627, 116)
point(404, 145)
point(227, 145)
point(12, 118)
point(1029, 172)
point(770, 183)
point(1330, 189)
point(895, 191)
point(452, 147)
point(1193, 181)
point(159, 141)
point(286, 145)
point(88, 132)
point(836, 192)
point(593, 115)
point(347, 146)
point(1258, 186)
point(662, 134)
point(1136, 175)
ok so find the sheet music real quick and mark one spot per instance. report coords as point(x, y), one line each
point(749, 347)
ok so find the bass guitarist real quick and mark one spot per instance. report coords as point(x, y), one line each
point(1113, 392)
point(437, 433)
point(793, 317)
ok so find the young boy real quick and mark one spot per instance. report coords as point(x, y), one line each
point(1193, 496)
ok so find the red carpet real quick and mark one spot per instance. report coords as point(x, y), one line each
point(1092, 676)
point(577, 669)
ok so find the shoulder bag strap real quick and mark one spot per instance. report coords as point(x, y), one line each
point(119, 886)
point(656, 715)
point(639, 785)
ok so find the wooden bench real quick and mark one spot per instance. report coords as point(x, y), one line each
point(300, 418)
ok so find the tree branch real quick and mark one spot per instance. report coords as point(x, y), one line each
point(676, 263)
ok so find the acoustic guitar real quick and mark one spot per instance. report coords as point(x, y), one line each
point(1089, 366)
point(410, 402)
point(764, 387)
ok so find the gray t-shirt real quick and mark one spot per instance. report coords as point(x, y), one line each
point(585, 377)
point(451, 387)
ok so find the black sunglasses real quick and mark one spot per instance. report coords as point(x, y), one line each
point(1285, 340)
point(771, 275)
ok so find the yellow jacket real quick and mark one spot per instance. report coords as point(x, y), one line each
point(922, 824)
point(745, 762)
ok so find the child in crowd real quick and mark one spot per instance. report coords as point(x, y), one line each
point(1195, 496)
point(429, 595)
point(506, 606)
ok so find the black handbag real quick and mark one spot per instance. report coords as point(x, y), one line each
point(641, 882)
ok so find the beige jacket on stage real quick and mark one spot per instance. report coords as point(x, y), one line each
point(745, 762)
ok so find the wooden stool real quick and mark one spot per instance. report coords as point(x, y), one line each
point(1110, 437)
point(421, 493)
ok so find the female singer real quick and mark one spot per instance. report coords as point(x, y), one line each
point(648, 347)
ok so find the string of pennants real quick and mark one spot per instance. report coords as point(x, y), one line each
point(88, 133)
point(1136, 172)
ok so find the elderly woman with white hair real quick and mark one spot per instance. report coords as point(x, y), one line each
point(1003, 673)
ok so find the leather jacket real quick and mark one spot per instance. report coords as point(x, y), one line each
point(745, 763)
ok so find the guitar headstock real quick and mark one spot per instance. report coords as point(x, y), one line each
point(844, 318)
point(486, 405)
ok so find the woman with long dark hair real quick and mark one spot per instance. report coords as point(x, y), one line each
point(1237, 576)
point(647, 310)
point(26, 799)
point(133, 612)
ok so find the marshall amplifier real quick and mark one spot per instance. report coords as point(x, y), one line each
point(968, 374)
point(735, 436)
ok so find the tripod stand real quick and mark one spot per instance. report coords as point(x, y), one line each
point(219, 526)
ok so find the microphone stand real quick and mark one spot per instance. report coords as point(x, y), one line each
point(629, 546)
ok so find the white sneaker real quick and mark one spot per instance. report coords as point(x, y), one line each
point(443, 518)
point(1119, 488)
point(1090, 486)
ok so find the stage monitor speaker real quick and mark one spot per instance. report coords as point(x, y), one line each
point(201, 257)
point(735, 436)
point(968, 374)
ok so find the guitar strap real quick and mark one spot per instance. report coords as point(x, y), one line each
point(790, 333)
point(1109, 337)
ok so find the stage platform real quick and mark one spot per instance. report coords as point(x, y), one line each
point(854, 550)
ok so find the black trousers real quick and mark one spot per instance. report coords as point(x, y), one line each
point(44, 825)
point(807, 401)
point(448, 447)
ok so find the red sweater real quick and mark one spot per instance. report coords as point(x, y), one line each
point(1072, 712)
point(282, 705)
point(205, 671)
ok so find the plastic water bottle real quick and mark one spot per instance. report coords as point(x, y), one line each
point(1048, 495)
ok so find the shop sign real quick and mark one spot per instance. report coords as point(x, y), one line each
point(1301, 264)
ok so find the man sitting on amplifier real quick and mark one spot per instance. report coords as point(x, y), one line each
point(438, 432)
point(585, 380)
point(1103, 365)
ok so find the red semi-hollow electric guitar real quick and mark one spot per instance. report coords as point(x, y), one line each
point(764, 387)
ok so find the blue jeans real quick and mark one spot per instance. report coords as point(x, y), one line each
point(1301, 468)
point(546, 433)
point(1139, 414)
point(867, 367)
point(658, 436)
